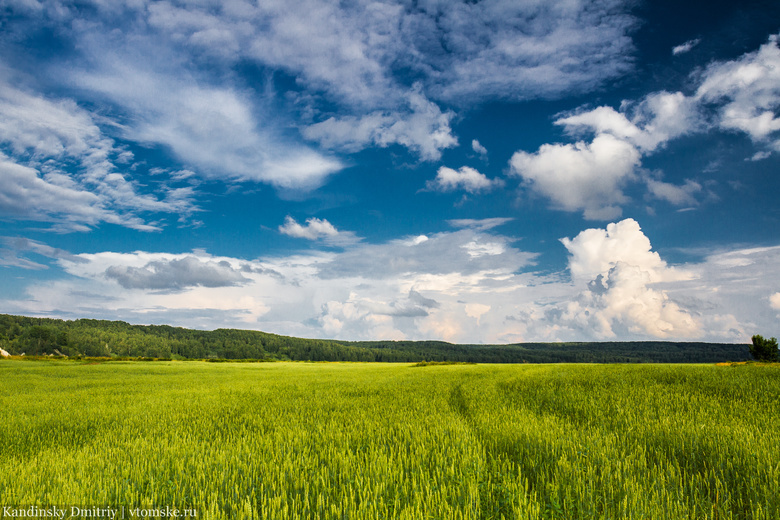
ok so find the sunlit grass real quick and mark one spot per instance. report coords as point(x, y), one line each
point(306, 440)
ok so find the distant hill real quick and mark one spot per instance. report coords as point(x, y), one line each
point(101, 338)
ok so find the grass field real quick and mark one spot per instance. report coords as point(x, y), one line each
point(314, 440)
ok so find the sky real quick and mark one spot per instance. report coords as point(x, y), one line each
point(494, 171)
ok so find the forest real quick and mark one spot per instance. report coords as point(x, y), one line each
point(20, 335)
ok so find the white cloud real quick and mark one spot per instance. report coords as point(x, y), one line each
point(466, 286)
point(423, 128)
point(759, 156)
point(46, 135)
point(317, 229)
point(25, 194)
point(462, 50)
point(677, 195)
point(685, 47)
point(464, 178)
point(729, 292)
point(774, 301)
point(743, 94)
point(582, 176)
point(655, 120)
point(477, 147)
point(748, 92)
point(213, 129)
point(620, 268)
point(357, 56)
point(596, 251)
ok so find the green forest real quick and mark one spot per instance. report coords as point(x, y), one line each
point(117, 339)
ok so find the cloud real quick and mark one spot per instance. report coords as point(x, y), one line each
point(519, 51)
point(317, 229)
point(423, 128)
point(366, 61)
point(484, 224)
point(676, 195)
point(477, 147)
point(213, 129)
point(16, 246)
point(61, 168)
point(741, 94)
point(175, 274)
point(464, 178)
point(685, 47)
point(620, 268)
point(582, 176)
point(467, 286)
point(655, 120)
point(774, 301)
point(759, 156)
point(465, 252)
point(596, 251)
point(747, 91)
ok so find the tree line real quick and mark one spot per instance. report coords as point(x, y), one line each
point(102, 338)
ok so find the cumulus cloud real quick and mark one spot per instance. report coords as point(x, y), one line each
point(774, 301)
point(747, 91)
point(655, 120)
point(317, 229)
point(741, 95)
point(596, 251)
point(620, 268)
point(591, 177)
point(582, 176)
point(464, 178)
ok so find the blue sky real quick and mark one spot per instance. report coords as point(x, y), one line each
point(482, 172)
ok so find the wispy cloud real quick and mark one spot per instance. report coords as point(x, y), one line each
point(60, 167)
point(483, 224)
point(16, 251)
point(361, 59)
point(217, 130)
point(685, 47)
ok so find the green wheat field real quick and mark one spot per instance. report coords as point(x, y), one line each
point(369, 441)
